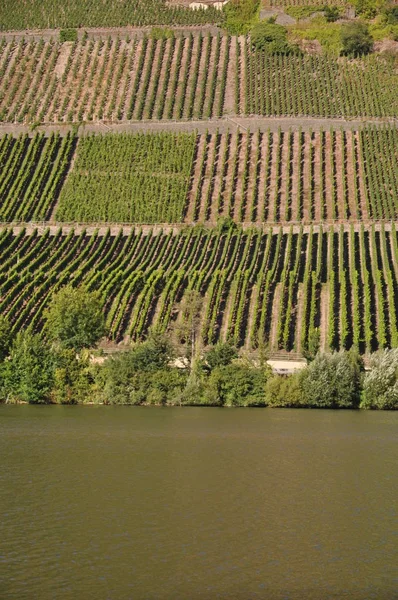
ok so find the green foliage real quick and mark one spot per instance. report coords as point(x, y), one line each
point(220, 355)
point(332, 381)
point(41, 14)
point(161, 33)
point(238, 385)
point(380, 387)
point(368, 9)
point(75, 318)
point(270, 38)
point(5, 338)
point(285, 392)
point(68, 35)
point(29, 372)
point(303, 12)
point(356, 39)
point(72, 378)
point(141, 375)
point(332, 13)
point(391, 14)
point(321, 30)
point(129, 178)
point(241, 15)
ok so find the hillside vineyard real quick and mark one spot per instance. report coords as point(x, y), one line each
point(272, 289)
point(193, 76)
point(264, 177)
point(288, 232)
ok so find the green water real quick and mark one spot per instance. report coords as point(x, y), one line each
point(190, 503)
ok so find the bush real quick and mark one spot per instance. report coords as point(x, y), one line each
point(161, 33)
point(220, 355)
point(271, 38)
point(355, 39)
point(29, 372)
point(241, 15)
point(284, 392)
point(332, 13)
point(380, 388)
point(68, 35)
point(332, 381)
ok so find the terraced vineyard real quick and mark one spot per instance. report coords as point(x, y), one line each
point(279, 177)
point(199, 76)
point(274, 289)
point(32, 171)
point(39, 14)
point(129, 178)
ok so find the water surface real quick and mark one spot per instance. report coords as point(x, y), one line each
point(191, 503)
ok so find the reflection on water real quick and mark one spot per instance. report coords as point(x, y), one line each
point(191, 503)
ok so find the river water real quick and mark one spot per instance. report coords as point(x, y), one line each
point(197, 503)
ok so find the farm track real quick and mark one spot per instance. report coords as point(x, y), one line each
point(222, 125)
point(101, 229)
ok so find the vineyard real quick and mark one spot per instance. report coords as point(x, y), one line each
point(192, 77)
point(41, 14)
point(32, 172)
point(129, 178)
point(274, 289)
point(263, 177)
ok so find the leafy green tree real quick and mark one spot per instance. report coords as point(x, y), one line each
point(75, 318)
point(220, 355)
point(237, 385)
point(141, 375)
point(29, 372)
point(380, 387)
point(271, 38)
point(332, 381)
point(355, 39)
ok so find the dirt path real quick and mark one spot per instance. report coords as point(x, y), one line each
point(95, 33)
point(223, 124)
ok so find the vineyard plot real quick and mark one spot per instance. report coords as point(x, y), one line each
point(264, 177)
point(318, 85)
point(41, 14)
point(278, 290)
point(32, 172)
point(189, 77)
point(114, 80)
point(128, 178)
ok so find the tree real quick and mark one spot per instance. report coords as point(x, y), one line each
point(271, 38)
point(75, 318)
point(188, 326)
point(332, 381)
point(380, 387)
point(237, 385)
point(220, 355)
point(355, 39)
point(29, 373)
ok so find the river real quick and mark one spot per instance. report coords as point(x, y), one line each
point(197, 503)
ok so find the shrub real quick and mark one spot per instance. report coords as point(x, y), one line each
point(68, 35)
point(240, 16)
point(380, 388)
point(271, 38)
point(332, 381)
point(356, 39)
